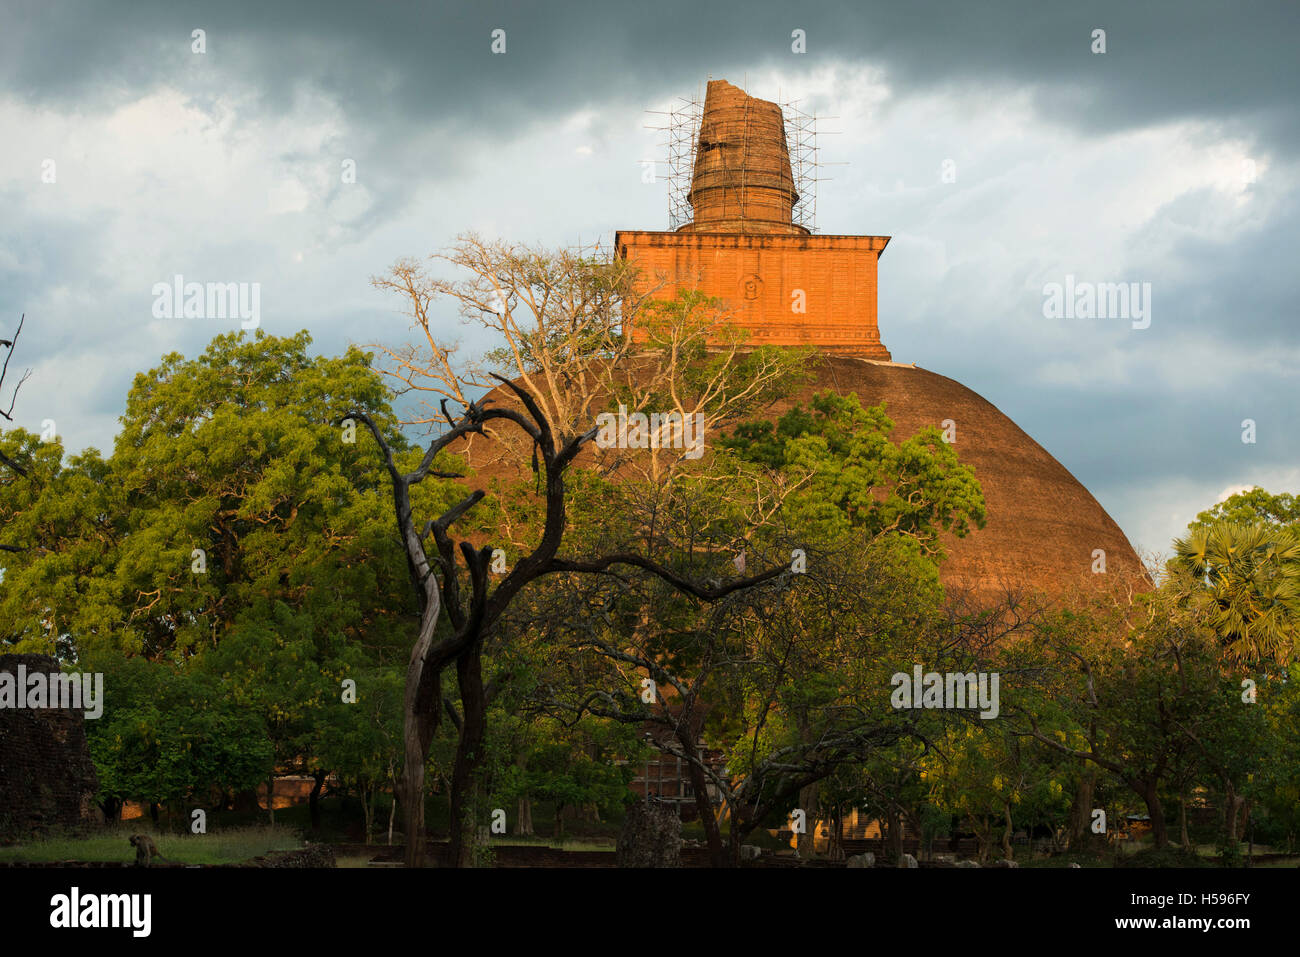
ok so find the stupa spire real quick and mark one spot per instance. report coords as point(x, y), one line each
point(742, 181)
point(784, 285)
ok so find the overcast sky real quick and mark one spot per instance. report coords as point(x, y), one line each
point(1170, 159)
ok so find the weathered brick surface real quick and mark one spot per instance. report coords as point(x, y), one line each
point(1043, 525)
point(47, 779)
point(742, 180)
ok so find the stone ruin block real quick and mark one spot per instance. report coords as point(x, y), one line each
point(651, 836)
point(47, 780)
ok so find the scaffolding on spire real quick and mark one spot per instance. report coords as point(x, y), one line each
point(681, 140)
point(801, 142)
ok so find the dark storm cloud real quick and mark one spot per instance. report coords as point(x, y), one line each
point(1210, 359)
point(397, 70)
point(450, 137)
point(1144, 445)
point(395, 63)
point(1245, 287)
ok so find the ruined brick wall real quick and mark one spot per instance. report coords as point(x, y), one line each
point(47, 779)
point(313, 855)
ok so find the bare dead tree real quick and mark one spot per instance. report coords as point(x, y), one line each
point(9, 345)
point(473, 616)
point(578, 329)
point(6, 460)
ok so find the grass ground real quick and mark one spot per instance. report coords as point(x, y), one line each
point(1140, 853)
point(233, 838)
point(561, 844)
point(225, 846)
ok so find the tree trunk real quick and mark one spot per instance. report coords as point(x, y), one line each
point(1081, 810)
point(469, 758)
point(313, 799)
point(1008, 852)
point(411, 787)
point(835, 846)
point(270, 798)
point(806, 843)
point(894, 834)
point(524, 820)
point(418, 726)
point(1182, 820)
point(741, 828)
point(1232, 807)
point(718, 856)
point(912, 822)
point(368, 811)
point(419, 717)
point(1149, 794)
point(983, 837)
point(1249, 824)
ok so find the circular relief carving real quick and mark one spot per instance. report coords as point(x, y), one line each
point(751, 286)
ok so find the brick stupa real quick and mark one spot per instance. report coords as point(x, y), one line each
point(788, 287)
point(1045, 531)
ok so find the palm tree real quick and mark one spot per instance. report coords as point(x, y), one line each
point(1251, 576)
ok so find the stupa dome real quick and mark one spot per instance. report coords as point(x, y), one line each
point(1043, 527)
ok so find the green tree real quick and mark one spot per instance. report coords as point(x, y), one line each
point(1250, 574)
point(583, 765)
point(1139, 693)
point(171, 734)
point(994, 780)
point(226, 489)
point(361, 738)
point(234, 534)
point(567, 340)
point(1255, 507)
point(845, 472)
point(789, 681)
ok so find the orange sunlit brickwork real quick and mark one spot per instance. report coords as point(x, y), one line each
point(786, 290)
point(788, 287)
